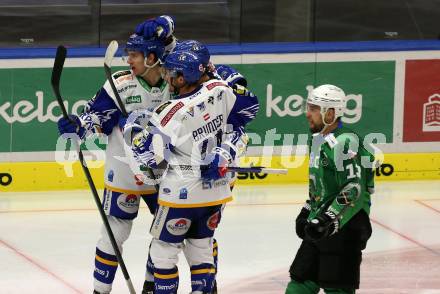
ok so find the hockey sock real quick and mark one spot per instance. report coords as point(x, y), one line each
point(105, 267)
point(166, 281)
point(202, 278)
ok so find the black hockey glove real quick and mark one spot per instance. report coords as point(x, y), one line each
point(301, 220)
point(322, 226)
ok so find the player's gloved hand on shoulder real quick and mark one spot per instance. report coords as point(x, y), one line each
point(301, 220)
point(321, 226)
point(218, 161)
point(71, 125)
point(160, 27)
point(231, 75)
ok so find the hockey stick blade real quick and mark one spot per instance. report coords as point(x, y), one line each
point(57, 69)
point(109, 55)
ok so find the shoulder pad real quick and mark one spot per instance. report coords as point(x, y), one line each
point(215, 83)
point(171, 112)
point(162, 106)
point(121, 73)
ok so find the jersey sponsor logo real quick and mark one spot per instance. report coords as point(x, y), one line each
point(133, 99)
point(138, 179)
point(125, 88)
point(215, 84)
point(183, 194)
point(206, 116)
point(122, 79)
point(110, 176)
point(178, 227)
point(191, 111)
point(220, 95)
point(213, 221)
point(128, 203)
point(161, 107)
point(210, 127)
point(206, 185)
point(171, 113)
point(201, 106)
point(221, 182)
point(107, 200)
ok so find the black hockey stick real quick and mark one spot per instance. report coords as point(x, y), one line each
point(109, 55)
point(55, 81)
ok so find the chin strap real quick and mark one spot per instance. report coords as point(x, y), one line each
point(149, 67)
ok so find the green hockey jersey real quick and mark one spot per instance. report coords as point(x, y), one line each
point(341, 175)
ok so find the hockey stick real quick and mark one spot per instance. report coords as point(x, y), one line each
point(258, 169)
point(109, 55)
point(55, 81)
point(238, 169)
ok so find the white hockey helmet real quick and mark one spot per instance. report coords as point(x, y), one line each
point(328, 96)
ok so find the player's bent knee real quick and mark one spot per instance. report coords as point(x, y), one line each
point(198, 251)
point(163, 254)
point(121, 229)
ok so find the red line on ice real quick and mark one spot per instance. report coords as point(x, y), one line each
point(426, 205)
point(16, 251)
point(405, 237)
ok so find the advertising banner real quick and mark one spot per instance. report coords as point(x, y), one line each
point(28, 111)
point(421, 120)
point(283, 88)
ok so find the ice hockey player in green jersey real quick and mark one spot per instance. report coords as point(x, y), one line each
point(334, 222)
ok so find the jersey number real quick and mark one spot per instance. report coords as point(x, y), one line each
point(210, 143)
point(354, 171)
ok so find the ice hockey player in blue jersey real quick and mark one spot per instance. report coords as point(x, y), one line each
point(140, 88)
point(188, 133)
point(165, 25)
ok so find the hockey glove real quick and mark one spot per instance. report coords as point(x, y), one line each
point(218, 161)
point(231, 75)
point(71, 125)
point(321, 226)
point(301, 220)
point(160, 27)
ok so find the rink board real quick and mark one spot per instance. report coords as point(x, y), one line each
point(42, 176)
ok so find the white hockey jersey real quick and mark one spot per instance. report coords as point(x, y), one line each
point(136, 94)
point(183, 132)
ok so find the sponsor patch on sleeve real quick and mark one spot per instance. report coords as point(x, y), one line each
point(161, 107)
point(170, 113)
point(214, 84)
point(122, 73)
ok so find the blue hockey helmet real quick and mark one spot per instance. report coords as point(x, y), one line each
point(197, 48)
point(231, 75)
point(185, 63)
point(146, 46)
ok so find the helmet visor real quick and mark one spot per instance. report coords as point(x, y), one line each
point(168, 73)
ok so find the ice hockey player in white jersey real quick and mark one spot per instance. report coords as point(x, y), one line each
point(141, 87)
point(188, 133)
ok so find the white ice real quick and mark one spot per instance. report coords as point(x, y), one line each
point(47, 241)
